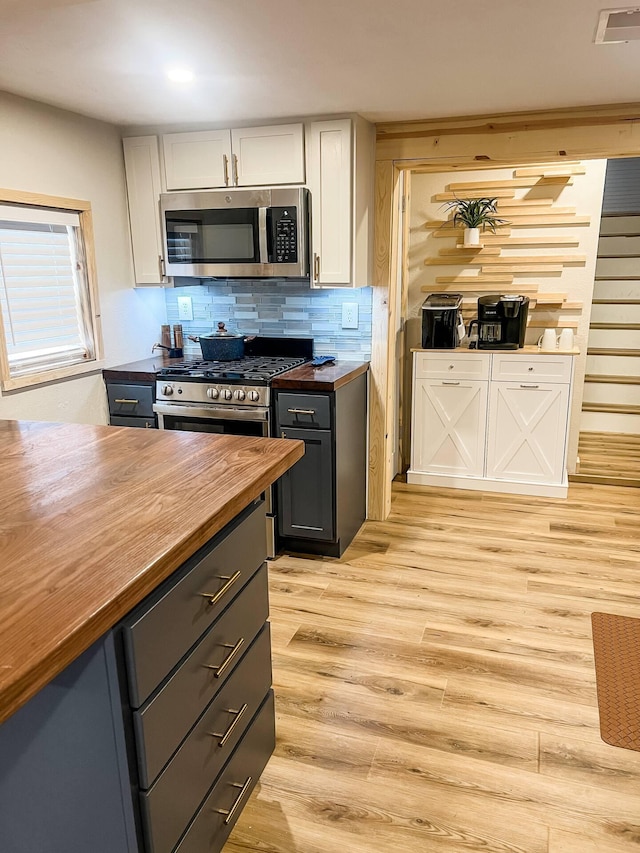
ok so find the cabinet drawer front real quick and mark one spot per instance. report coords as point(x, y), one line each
point(176, 794)
point(442, 365)
point(542, 368)
point(164, 720)
point(215, 820)
point(130, 400)
point(139, 423)
point(166, 625)
point(304, 410)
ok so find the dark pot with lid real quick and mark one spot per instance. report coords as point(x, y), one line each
point(221, 345)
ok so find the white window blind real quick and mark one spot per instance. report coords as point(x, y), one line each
point(44, 296)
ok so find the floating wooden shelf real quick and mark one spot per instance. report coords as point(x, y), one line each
point(480, 193)
point(525, 202)
point(541, 269)
point(529, 221)
point(555, 323)
point(515, 242)
point(517, 212)
point(458, 232)
point(612, 351)
point(550, 173)
point(510, 183)
point(550, 298)
point(490, 279)
point(513, 261)
point(480, 287)
point(461, 250)
point(541, 259)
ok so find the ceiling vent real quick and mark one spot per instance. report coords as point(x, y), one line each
point(618, 25)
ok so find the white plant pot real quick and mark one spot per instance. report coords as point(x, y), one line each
point(471, 237)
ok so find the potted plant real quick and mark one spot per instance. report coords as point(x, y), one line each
point(475, 214)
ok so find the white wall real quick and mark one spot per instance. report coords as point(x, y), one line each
point(51, 151)
point(577, 282)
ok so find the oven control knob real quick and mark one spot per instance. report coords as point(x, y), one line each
point(254, 396)
point(226, 394)
point(167, 391)
point(213, 393)
point(239, 395)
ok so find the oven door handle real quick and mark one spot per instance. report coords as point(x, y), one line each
point(212, 413)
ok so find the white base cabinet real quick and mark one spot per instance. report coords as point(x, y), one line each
point(487, 433)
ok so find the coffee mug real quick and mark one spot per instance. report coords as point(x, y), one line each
point(548, 340)
point(565, 341)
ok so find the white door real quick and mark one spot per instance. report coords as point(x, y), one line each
point(449, 423)
point(268, 155)
point(329, 172)
point(527, 431)
point(142, 169)
point(198, 160)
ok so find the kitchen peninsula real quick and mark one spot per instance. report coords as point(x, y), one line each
point(112, 583)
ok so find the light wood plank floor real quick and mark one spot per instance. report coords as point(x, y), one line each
point(609, 457)
point(435, 688)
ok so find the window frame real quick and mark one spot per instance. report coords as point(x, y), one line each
point(41, 376)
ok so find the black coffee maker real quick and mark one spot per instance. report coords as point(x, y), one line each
point(502, 321)
point(441, 321)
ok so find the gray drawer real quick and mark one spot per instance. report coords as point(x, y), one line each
point(169, 805)
point(140, 423)
point(215, 820)
point(130, 400)
point(162, 723)
point(303, 410)
point(165, 626)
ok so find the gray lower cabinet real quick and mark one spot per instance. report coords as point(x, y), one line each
point(152, 741)
point(131, 404)
point(322, 498)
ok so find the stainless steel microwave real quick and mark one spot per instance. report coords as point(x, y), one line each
point(262, 233)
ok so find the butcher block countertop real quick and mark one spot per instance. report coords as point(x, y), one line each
point(139, 370)
point(93, 518)
point(328, 377)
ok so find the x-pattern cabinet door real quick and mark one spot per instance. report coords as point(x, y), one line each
point(449, 426)
point(527, 425)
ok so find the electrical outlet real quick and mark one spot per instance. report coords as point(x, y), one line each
point(349, 315)
point(185, 308)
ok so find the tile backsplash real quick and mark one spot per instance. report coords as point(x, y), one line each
point(277, 308)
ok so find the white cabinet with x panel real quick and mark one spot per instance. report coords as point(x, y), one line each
point(491, 421)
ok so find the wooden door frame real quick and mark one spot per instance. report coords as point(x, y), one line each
point(468, 142)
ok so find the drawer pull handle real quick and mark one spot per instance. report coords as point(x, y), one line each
point(529, 386)
point(449, 382)
point(124, 400)
point(301, 411)
point(214, 597)
point(243, 790)
point(225, 737)
point(225, 663)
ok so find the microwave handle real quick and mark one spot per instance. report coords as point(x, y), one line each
point(262, 235)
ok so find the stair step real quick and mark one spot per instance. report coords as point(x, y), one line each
point(616, 302)
point(632, 327)
point(607, 351)
point(612, 379)
point(613, 408)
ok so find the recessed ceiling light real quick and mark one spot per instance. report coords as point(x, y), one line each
point(180, 75)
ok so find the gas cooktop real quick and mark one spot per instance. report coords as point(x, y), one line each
point(256, 369)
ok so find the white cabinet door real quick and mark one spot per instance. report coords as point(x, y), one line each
point(268, 155)
point(449, 423)
point(142, 169)
point(197, 160)
point(527, 431)
point(330, 180)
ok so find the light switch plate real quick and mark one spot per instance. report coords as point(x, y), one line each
point(185, 308)
point(349, 315)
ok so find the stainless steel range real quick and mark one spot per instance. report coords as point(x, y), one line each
point(229, 397)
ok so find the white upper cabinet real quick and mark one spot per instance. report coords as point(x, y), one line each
point(340, 157)
point(142, 168)
point(247, 157)
point(197, 160)
point(268, 155)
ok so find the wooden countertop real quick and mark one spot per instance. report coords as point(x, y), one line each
point(93, 518)
point(528, 350)
point(138, 370)
point(328, 377)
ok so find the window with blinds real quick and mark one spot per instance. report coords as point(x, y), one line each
point(45, 299)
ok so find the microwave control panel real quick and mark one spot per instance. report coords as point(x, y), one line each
point(284, 235)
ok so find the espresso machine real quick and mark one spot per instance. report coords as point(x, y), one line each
point(502, 321)
point(442, 324)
